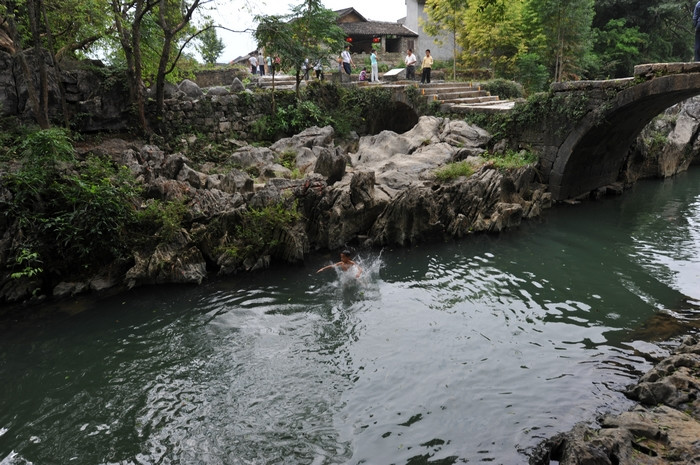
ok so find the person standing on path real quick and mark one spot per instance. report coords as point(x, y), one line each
point(375, 67)
point(410, 61)
point(696, 26)
point(426, 65)
point(261, 64)
point(253, 64)
point(318, 67)
point(347, 60)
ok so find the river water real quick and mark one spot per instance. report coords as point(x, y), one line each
point(461, 352)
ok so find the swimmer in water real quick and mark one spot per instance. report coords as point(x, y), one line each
point(344, 264)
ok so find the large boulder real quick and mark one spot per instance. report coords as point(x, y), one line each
point(190, 89)
point(310, 138)
point(177, 261)
point(331, 164)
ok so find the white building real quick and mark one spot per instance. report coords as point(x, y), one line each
point(416, 9)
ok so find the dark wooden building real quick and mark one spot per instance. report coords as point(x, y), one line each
point(361, 33)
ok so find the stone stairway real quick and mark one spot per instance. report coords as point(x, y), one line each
point(454, 97)
point(464, 97)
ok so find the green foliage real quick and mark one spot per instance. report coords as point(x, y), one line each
point(257, 233)
point(290, 120)
point(570, 107)
point(618, 48)
point(309, 31)
point(512, 159)
point(29, 262)
point(90, 212)
point(666, 24)
point(492, 36)
point(531, 72)
point(288, 159)
point(76, 212)
point(504, 88)
point(210, 45)
point(161, 219)
point(560, 32)
point(453, 171)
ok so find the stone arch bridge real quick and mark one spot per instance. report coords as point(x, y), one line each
point(586, 150)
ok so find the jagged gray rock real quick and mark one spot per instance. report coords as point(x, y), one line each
point(663, 431)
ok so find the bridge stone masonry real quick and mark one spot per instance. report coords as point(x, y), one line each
point(583, 148)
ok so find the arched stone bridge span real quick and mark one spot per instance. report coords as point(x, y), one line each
point(581, 154)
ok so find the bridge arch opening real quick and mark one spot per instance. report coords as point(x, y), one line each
point(594, 152)
point(396, 116)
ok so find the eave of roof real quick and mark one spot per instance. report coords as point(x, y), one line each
point(378, 28)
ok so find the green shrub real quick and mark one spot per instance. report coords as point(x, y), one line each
point(161, 219)
point(455, 170)
point(512, 159)
point(256, 234)
point(67, 212)
point(288, 159)
point(504, 88)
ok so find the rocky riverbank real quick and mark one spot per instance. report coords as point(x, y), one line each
point(372, 191)
point(664, 428)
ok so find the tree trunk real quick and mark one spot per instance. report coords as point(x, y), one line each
point(56, 67)
point(40, 116)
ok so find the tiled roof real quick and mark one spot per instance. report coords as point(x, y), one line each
point(347, 11)
point(376, 28)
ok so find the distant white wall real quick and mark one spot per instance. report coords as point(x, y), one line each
point(415, 10)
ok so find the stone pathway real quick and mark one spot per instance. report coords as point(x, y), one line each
point(454, 97)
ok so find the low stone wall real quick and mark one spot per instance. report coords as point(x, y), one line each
point(218, 115)
point(219, 76)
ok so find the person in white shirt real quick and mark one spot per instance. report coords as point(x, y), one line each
point(261, 64)
point(253, 64)
point(347, 60)
point(410, 61)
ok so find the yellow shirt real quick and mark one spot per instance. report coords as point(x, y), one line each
point(427, 62)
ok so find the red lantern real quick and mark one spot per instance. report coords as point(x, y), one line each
point(348, 39)
point(376, 40)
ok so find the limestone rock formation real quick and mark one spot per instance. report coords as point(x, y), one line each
point(663, 429)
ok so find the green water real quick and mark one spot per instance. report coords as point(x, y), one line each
point(450, 353)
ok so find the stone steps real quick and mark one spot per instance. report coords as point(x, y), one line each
point(455, 97)
point(464, 98)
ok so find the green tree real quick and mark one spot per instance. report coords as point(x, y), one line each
point(210, 45)
point(618, 48)
point(493, 36)
point(560, 32)
point(666, 23)
point(152, 35)
point(444, 20)
point(309, 31)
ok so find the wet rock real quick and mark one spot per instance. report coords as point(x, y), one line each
point(665, 430)
point(177, 261)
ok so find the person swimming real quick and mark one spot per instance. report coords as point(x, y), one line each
point(344, 264)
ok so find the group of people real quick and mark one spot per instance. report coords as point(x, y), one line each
point(426, 66)
point(258, 63)
point(345, 65)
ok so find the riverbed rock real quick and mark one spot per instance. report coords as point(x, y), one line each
point(177, 261)
point(668, 145)
point(663, 429)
